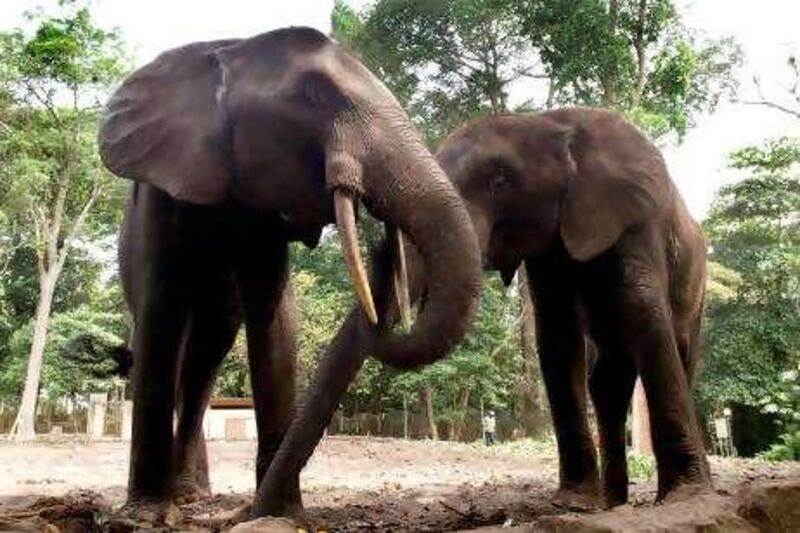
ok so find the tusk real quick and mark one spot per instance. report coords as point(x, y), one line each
point(401, 283)
point(346, 222)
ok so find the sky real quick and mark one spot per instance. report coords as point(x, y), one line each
point(767, 30)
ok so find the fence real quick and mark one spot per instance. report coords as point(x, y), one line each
point(89, 414)
point(392, 423)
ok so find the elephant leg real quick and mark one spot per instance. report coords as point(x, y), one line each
point(161, 317)
point(645, 324)
point(611, 380)
point(270, 324)
point(337, 369)
point(215, 321)
point(688, 340)
point(562, 355)
point(611, 387)
point(273, 379)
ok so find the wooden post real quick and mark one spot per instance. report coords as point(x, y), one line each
point(405, 416)
point(640, 434)
point(126, 426)
point(95, 421)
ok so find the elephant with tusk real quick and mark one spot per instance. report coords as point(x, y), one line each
point(237, 148)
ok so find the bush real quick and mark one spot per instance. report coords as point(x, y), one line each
point(787, 450)
point(641, 467)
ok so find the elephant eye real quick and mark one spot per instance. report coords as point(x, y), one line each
point(501, 179)
point(320, 91)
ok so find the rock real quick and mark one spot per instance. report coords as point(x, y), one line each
point(268, 524)
point(709, 513)
point(773, 506)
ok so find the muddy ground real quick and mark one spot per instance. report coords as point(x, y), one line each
point(351, 484)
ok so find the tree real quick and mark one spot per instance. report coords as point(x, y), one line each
point(447, 61)
point(635, 56)
point(53, 179)
point(76, 358)
point(752, 331)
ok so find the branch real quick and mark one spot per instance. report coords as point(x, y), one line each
point(77, 226)
point(46, 103)
point(772, 105)
point(58, 216)
point(39, 226)
point(10, 255)
point(764, 101)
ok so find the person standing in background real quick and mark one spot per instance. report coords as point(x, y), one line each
point(489, 425)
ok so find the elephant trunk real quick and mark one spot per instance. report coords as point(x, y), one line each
point(404, 186)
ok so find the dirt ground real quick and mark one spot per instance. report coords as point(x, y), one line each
point(351, 484)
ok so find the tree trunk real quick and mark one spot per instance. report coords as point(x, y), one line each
point(640, 422)
point(641, 48)
point(457, 427)
point(405, 416)
point(609, 78)
point(24, 425)
point(427, 400)
point(533, 414)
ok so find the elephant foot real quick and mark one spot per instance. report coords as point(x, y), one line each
point(286, 507)
point(580, 498)
point(615, 487)
point(684, 491)
point(148, 514)
point(268, 524)
point(224, 520)
point(614, 497)
point(278, 499)
point(189, 490)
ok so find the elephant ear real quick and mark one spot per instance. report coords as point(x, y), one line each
point(617, 179)
point(165, 125)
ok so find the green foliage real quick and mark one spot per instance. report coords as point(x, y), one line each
point(449, 61)
point(753, 335)
point(324, 295)
point(485, 367)
point(592, 49)
point(787, 450)
point(77, 356)
point(785, 402)
point(641, 467)
point(51, 82)
point(233, 379)
point(72, 51)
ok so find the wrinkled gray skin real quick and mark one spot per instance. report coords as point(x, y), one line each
point(237, 149)
point(584, 201)
point(613, 257)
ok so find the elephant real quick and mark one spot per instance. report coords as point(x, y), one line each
point(616, 265)
point(584, 201)
point(237, 148)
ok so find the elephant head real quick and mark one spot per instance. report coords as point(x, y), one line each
point(289, 123)
point(529, 180)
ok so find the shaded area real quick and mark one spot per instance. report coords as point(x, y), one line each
point(358, 484)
